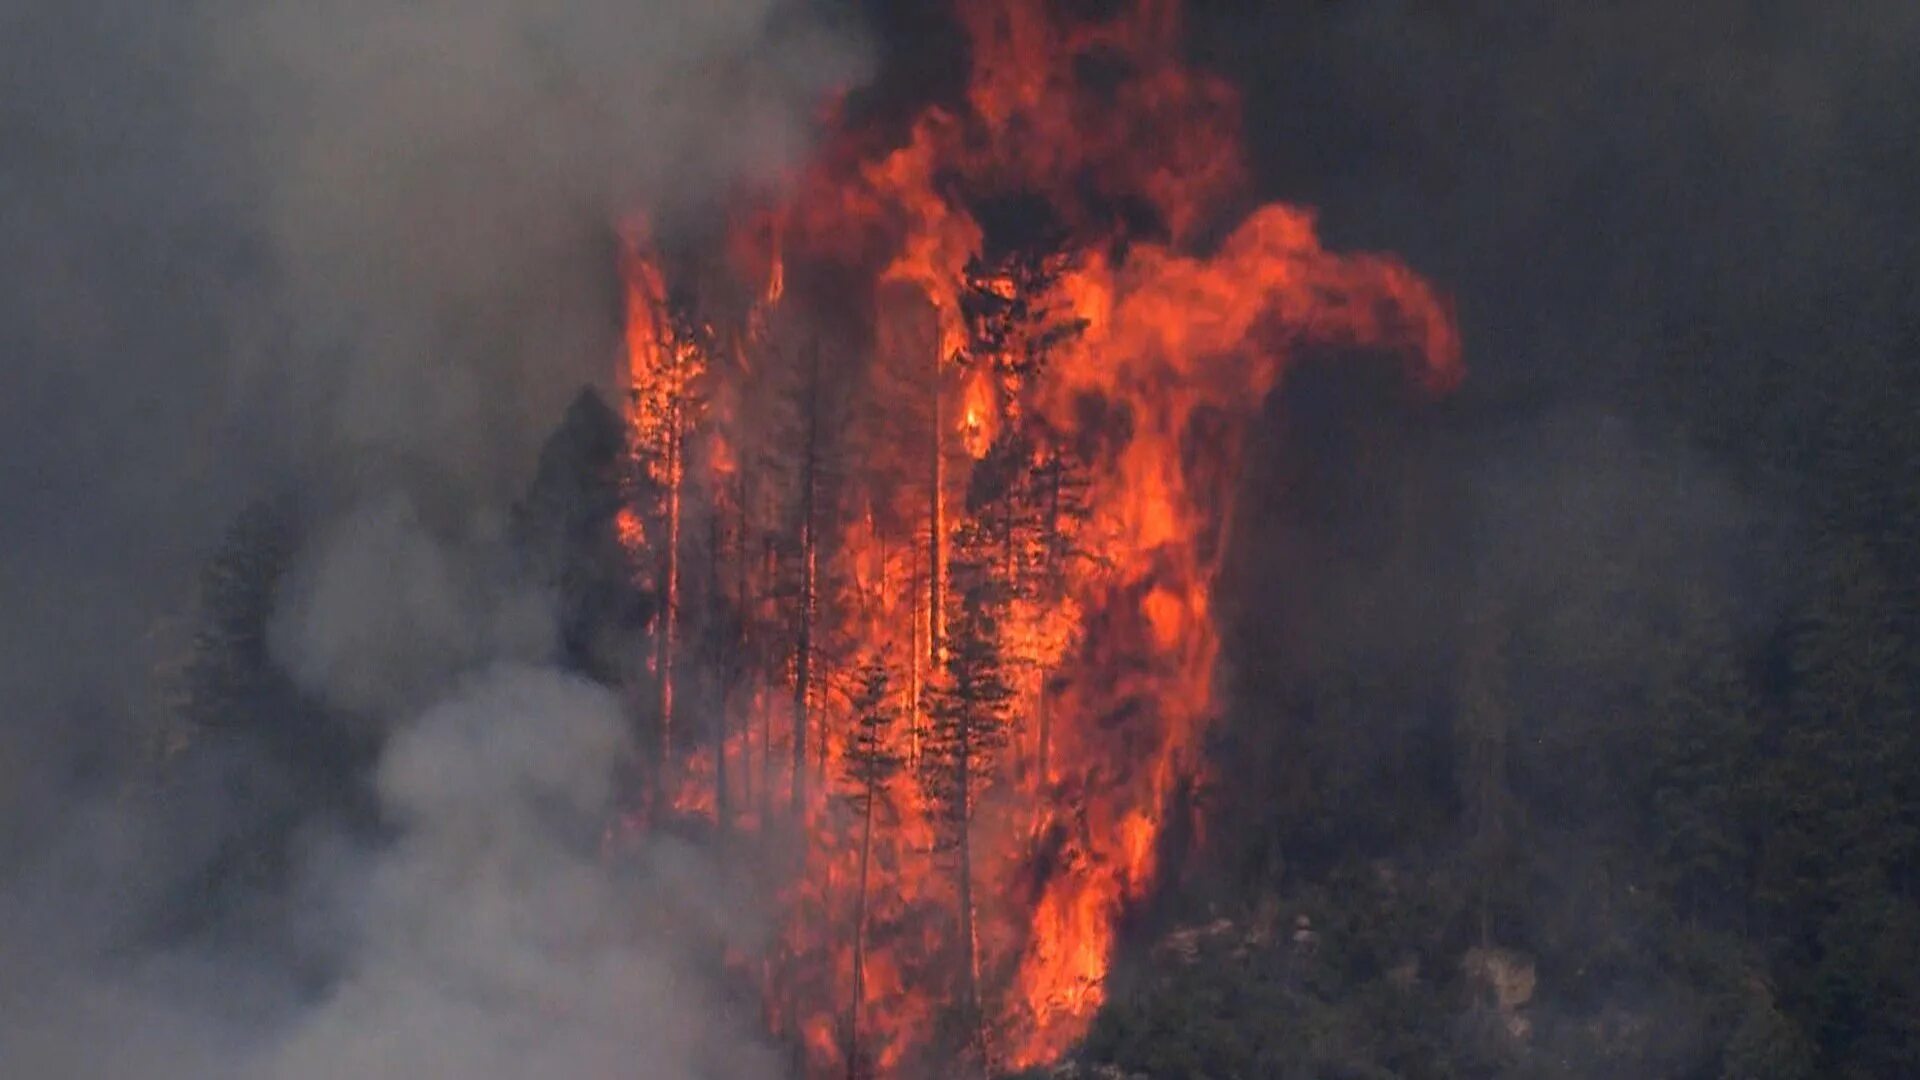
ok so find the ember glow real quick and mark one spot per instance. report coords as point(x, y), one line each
point(954, 428)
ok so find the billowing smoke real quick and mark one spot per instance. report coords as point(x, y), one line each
point(444, 179)
point(492, 939)
point(387, 616)
point(253, 244)
point(498, 926)
point(360, 251)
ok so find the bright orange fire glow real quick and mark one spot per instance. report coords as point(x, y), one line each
point(1052, 407)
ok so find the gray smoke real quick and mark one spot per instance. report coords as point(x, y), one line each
point(506, 928)
point(445, 175)
point(382, 615)
point(360, 251)
point(494, 939)
point(248, 244)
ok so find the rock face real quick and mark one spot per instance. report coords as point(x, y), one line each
point(1508, 979)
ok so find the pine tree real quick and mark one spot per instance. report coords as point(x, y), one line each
point(969, 713)
point(1700, 761)
point(807, 616)
point(870, 768)
point(668, 350)
point(1063, 506)
point(566, 536)
point(1009, 325)
point(1026, 493)
point(232, 693)
point(229, 681)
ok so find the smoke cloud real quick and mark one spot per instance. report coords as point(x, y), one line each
point(358, 252)
point(494, 929)
point(382, 614)
point(443, 178)
point(252, 246)
point(492, 939)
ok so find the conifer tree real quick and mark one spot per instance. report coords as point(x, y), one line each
point(668, 360)
point(229, 680)
point(870, 768)
point(969, 712)
point(1026, 494)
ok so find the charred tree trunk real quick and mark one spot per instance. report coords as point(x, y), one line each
point(729, 644)
point(670, 599)
point(913, 657)
point(809, 564)
point(870, 766)
point(769, 569)
point(1044, 722)
point(937, 527)
point(969, 937)
point(860, 934)
point(1055, 556)
point(1486, 720)
point(743, 643)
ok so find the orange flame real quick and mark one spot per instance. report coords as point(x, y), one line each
point(1113, 393)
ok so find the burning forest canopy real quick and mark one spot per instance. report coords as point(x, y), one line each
point(898, 548)
point(932, 468)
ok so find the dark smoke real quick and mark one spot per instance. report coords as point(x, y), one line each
point(1685, 261)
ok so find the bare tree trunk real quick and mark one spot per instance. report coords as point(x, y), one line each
point(746, 744)
point(768, 572)
point(809, 555)
point(969, 936)
point(721, 817)
point(1055, 555)
point(1485, 718)
point(913, 657)
point(670, 611)
point(743, 645)
point(860, 934)
point(1045, 725)
point(937, 529)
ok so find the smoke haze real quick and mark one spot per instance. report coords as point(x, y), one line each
point(355, 255)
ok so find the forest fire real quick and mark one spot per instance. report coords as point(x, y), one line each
point(932, 478)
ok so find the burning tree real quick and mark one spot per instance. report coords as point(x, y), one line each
point(872, 763)
point(667, 355)
point(1016, 457)
point(969, 712)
